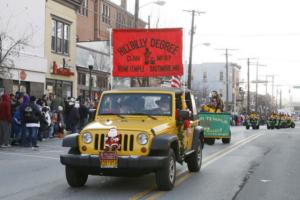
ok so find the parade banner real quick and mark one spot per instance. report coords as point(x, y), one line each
point(147, 52)
point(215, 124)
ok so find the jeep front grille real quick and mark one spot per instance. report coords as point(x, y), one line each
point(126, 140)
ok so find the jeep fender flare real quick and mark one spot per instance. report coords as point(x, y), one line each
point(163, 143)
point(198, 134)
point(71, 140)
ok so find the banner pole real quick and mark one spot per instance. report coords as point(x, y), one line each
point(183, 55)
point(110, 59)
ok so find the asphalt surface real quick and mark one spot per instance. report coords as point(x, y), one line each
point(258, 164)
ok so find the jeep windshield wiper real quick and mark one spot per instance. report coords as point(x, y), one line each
point(121, 116)
point(148, 115)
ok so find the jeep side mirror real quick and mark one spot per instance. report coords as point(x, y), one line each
point(184, 114)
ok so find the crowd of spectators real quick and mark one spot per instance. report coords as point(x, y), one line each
point(25, 120)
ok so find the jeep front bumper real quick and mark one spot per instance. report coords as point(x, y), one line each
point(124, 162)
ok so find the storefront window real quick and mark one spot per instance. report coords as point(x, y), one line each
point(62, 89)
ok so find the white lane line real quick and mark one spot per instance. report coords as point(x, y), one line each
point(207, 162)
point(29, 155)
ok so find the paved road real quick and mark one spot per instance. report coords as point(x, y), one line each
point(258, 164)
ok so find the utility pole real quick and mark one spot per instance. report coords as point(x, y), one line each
point(227, 84)
point(248, 91)
point(191, 46)
point(136, 20)
point(273, 91)
point(280, 100)
point(248, 82)
point(227, 76)
point(136, 13)
point(256, 90)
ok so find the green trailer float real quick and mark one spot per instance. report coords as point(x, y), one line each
point(216, 126)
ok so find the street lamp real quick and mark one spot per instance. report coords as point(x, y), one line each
point(160, 3)
point(90, 64)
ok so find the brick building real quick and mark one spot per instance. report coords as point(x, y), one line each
point(96, 17)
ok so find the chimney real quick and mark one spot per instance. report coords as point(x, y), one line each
point(124, 4)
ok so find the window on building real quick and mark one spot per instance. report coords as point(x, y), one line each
point(221, 76)
point(102, 82)
point(60, 37)
point(118, 21)
point(83, 10)
point(81, 78)
point(204, 76)
point(105, 14)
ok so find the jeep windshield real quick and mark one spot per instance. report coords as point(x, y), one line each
point(136, 104)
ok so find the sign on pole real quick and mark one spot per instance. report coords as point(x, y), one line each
point(147, 52)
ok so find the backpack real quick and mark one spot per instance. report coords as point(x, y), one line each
point(30, 115)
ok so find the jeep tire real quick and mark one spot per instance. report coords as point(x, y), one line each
point(194, 161)
point(75, 177)
point(166, 176)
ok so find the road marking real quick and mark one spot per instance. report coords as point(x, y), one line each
point(157, 194)
point(185, 174)
point(29, 155)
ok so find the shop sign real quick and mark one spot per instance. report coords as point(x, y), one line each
point(61, 71)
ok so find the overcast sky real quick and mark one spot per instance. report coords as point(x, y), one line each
point(265, 29)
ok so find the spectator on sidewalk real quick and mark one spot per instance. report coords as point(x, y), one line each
point(5, 120)
point(60, 125)
point(24, 100)
point(55, 102)
point(16, 127)
point(32, 116)
point(45, 123)
point(83, 112)
point(73, 116)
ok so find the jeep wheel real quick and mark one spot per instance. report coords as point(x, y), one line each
point(195, 160)
point(247, 127)
point(75, 177)
point(165, 177)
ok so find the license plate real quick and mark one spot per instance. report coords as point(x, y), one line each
point(108, 159)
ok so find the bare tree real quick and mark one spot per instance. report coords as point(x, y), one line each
point(10, 49)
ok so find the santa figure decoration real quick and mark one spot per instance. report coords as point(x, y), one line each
point(112, 140)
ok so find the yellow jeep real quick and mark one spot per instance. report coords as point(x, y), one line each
point(137, 131)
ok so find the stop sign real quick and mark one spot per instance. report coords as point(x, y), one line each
point(23, 75)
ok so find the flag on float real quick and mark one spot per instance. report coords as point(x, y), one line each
point(176, 81)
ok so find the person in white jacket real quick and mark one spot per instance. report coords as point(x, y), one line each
point(45, 123)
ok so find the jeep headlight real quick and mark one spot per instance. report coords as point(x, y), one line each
point(87, 138)
point(143, 138)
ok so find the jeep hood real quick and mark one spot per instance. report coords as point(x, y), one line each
point(135, 125)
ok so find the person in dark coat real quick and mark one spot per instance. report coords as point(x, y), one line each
point(73, 117)
point(24, 100)
point(83, 112)
point(32, 116)
point(5, 120)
